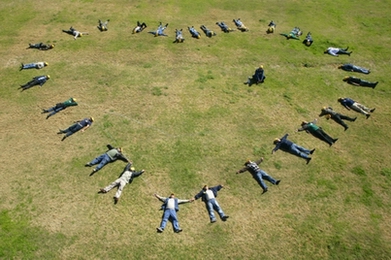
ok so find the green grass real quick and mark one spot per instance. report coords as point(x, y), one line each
point(182, 113)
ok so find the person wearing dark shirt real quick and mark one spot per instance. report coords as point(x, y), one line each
point(111, 155)
point(353, 68)
point(41, 46)
point(328, 112)
point(271, 27)
point(60, 106)
point(349, 103)
point(308, 40)
point(39, 80)
point(224, 27)
point(257, 78)
point(258, 174)
point(359, 82)
point(208, 33)
point(77, 126)
point(194, 33)
point(290, 147)
point(102, 26)
point(316, 131)
point(208, 195)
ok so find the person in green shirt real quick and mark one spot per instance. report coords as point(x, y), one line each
point(316, 131)
point(60, 106)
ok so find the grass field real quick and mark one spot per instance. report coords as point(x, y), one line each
point(182, 113)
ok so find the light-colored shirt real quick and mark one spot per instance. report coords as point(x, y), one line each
point(209, 195)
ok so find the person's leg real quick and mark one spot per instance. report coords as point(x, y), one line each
point(358, 109)
point(365, 83)
point(327, 138)
point(299, 151)
point(174, 220)
point(166, 215)
point(209, 208)
point(97, 160)
point(112, 185)
point(267, 177)
point(105, 160)
point(54, 111)
point(217, 207)
point(319, 134)
point(347, 118)
point(339, 121)
point(121, 186)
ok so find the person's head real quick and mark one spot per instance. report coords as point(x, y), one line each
point(276, 140)
point(205, 188)
point(340, 67)
point(308, 42)
point(261, 67)
point(346, 78)
point(340, 99)
point(46, 64)
point(247, 162)
point(132, 169)
point(73, 99)
point(91, 119)
point(325, 51)
point(304, 123)
point(120, 149)
point(52, 46)
point(172, 195)
point(48, 76)
point(324, 108)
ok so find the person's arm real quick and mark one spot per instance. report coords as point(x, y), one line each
point(85, 128)
point(109, 146)
point(199, 195)
point(259, 161)
point(242, 170)
point(122, 157)
point(180, 201)
point(162, 199)
point(136, 174)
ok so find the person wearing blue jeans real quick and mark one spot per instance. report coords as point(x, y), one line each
point(194, 32)
point(224, 27)
point(208, 195)
point(77, 126)
point(170, 208)
point(111, 155)
point(353, 68)
point(160, 30)
point(290, 147)
point(34, 65)
point(59, 106)
point(258, 174)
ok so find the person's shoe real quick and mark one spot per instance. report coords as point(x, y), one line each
point(374, 86)
point(178, 230)
point(44, 111)
point(48, 117)
point(60, 132)
point(87, 165)
point(264, 191)
point(346, 128)
point(21, 67)
point(213, 221)
point(372, 110)
point(354, 119)
point(278, 182)
point(159, 230)
point(368, 115)
point(102, 191)
point(309, 159)
point(64, 138)
point(225, 218)
point(93, 172)
point(335, 140)
point(312, 151)
point(116, 200)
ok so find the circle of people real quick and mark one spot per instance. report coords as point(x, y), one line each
point(207, 194)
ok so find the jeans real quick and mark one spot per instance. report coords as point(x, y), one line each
point(260, 175)
point(102, 160)
point(29, 66)
point(54, 110)
point(72, 129)
point(299, 151)
point(212, 205)
point(170, 214)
